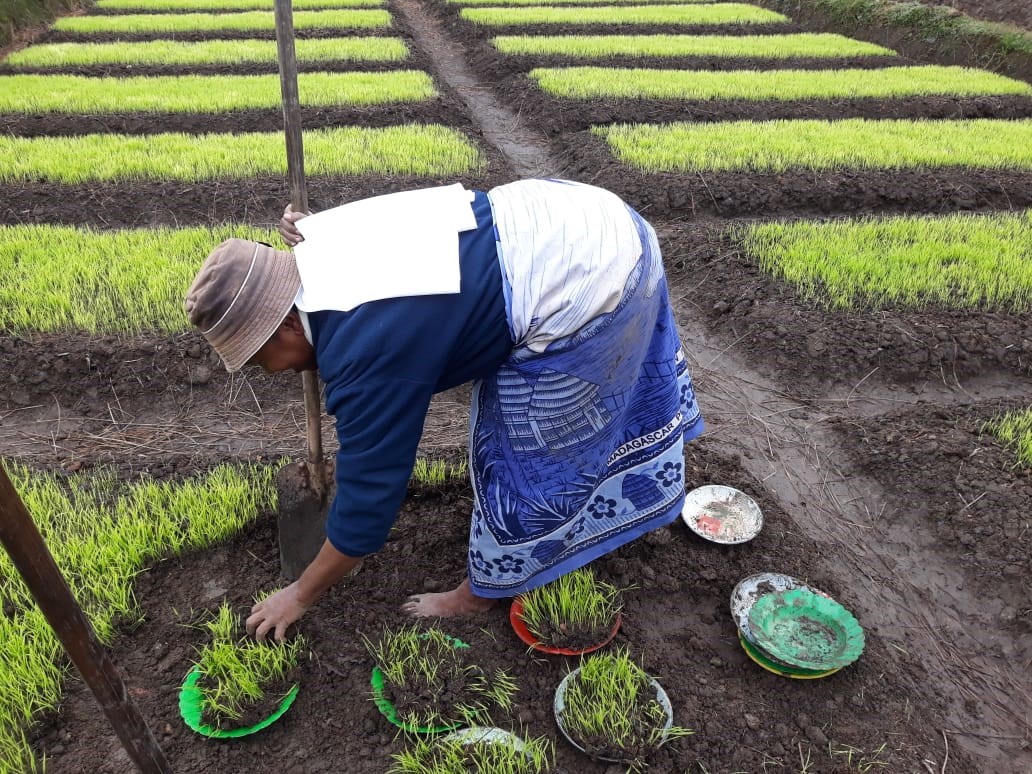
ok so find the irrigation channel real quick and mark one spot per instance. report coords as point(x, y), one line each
point(859, 433)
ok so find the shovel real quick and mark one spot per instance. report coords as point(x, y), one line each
point(305, 488)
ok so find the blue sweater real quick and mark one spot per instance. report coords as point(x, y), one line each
point(382, 362)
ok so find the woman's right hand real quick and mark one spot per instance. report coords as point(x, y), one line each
point(288, 229)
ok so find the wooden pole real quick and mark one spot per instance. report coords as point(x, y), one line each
point(33, 560)
point(299, 202)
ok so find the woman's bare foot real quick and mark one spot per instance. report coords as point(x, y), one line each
point(459, 601)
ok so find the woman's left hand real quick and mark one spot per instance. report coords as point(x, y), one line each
point(276, 613)
point(288, 226)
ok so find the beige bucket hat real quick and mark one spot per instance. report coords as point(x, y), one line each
point(240, 296)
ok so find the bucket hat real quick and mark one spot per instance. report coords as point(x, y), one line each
point(240, 296)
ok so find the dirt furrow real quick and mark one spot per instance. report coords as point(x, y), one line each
point(913, 597)
point(527, 151)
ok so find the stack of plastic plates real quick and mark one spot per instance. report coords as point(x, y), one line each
point(792, 629)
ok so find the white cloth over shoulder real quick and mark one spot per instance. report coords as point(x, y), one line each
point(567, 250)
point(401, 244)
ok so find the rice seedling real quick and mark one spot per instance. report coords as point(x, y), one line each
point(431, 681)
point(779, 85)
point(455, 755)
point(242, 679)
point(437, 472)
point(778, 146)
point(610, 708)
point(68, 278)
point(208, 52)
point(717, 13)
point(1014, 431)
point(35, 94)
point(245, 21)
point(411, 149)
point(576, 610)
point(168, 6)
point(102, 532)
point(967, 261)
point(813, 45)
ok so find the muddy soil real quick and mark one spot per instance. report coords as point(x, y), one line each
point(676, 619)
point(945, 470)
point(811, 348)
point(671, 196)
point(439, 111)
point(155, 404)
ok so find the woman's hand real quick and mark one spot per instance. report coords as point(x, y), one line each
point(288, 229)
point(276, 613)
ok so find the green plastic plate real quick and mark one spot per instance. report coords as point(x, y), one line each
point(765, 661)
point(190, 697)
point(389, 711)
point(805, 629)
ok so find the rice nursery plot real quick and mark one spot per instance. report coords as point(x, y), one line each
point(674, 650)
point(35, 94)
point(960, 261)
point(211, 53)
point(817, 339)
point(774, 46)
point(169, 6)
point(650, 15)
point(416, 150)
point(779, 85)
point(158, 25)
point(101, 533)
point(68, 279)
point(906, 297)
point(778, 146)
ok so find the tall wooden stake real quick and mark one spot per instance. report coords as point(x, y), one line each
point(299, 201)
point(33, 560)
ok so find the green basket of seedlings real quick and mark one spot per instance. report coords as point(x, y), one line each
point(238, 686)
point(477, 750)
point(426, 682)
point(575, 614)
point(612, 710)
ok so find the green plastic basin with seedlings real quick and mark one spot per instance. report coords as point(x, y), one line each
point(238, 683)
point(1014, 431)
point(804, 44)
point(576, 612)
point(209, 52)
point(777, 85)
point(476, 751)
point(36, 94)
point(779, 146)
point(69, 278)
point(716, 13)
point(102, 532)
point(245, 21)
point(426, 682)
point(955, 261)
point(420, 150)
point(611, 709)
point(170, 6)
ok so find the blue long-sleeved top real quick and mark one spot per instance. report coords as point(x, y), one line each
point(383, 360)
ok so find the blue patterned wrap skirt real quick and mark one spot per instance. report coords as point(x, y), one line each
point(577, 449)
